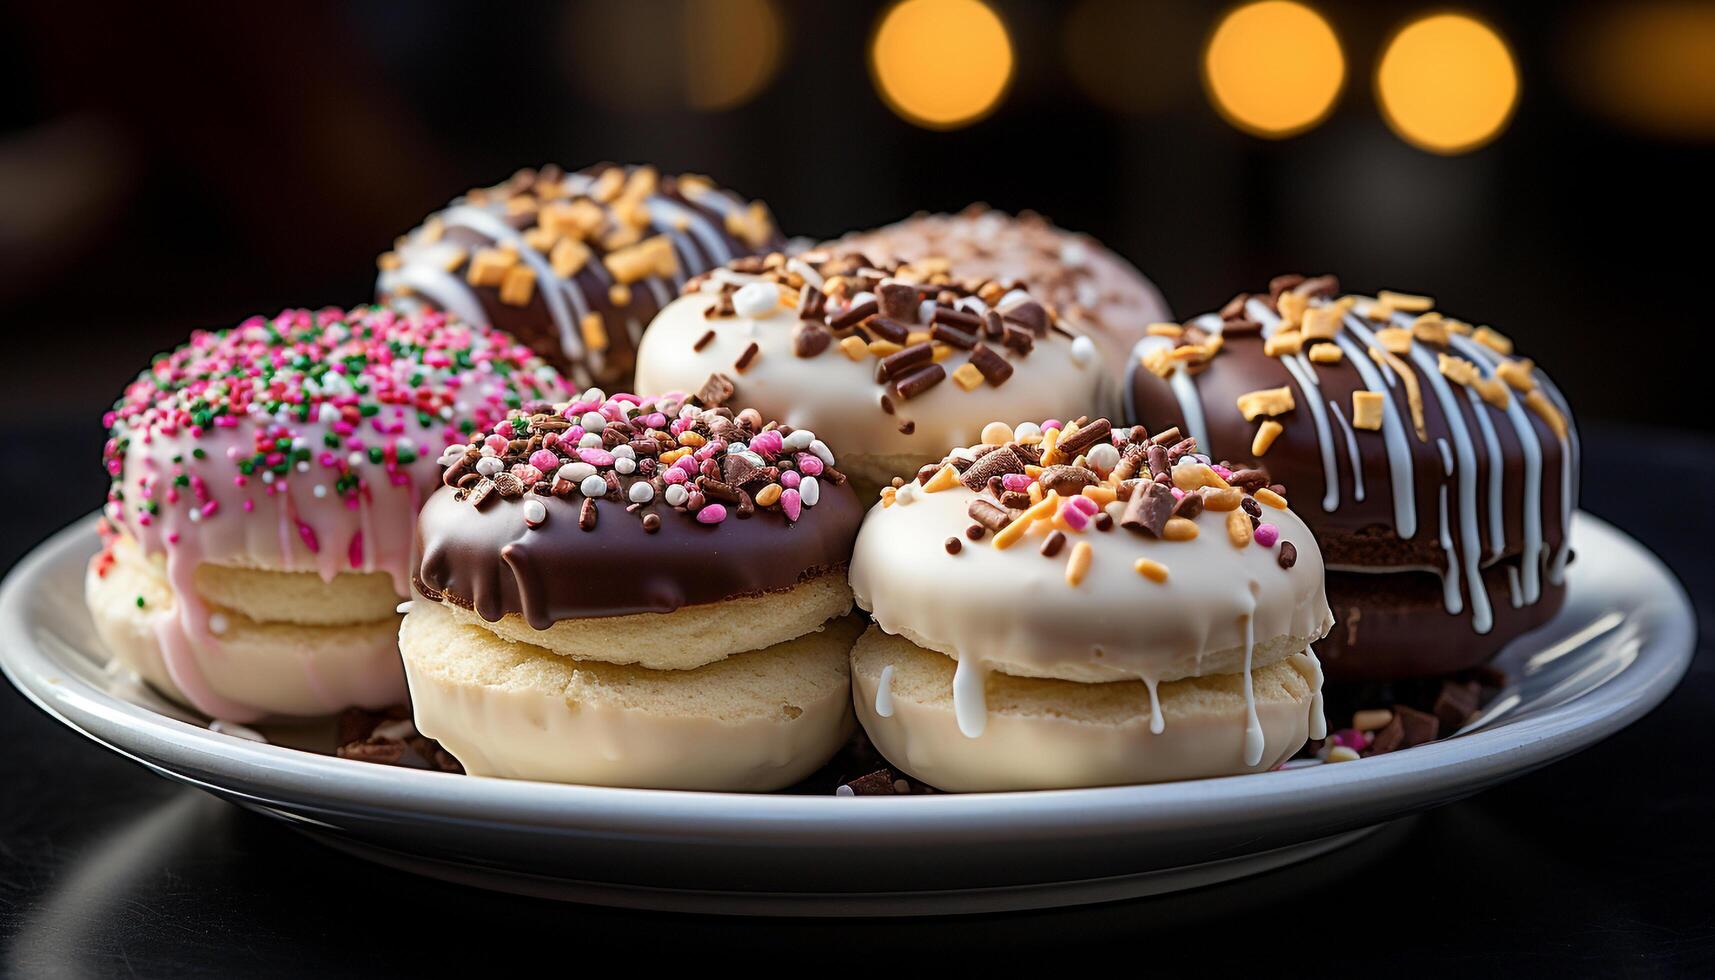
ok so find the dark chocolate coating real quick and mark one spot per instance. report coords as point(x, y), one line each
point(489, 561)
point(1410, 638)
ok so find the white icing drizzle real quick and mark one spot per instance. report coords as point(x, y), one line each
point(1513, 587)
point(1253, 725)
point(1157, 724)
point(1531, 558)
point(1497, 524)
point(1351, 451)
point(1310, 393)
point(1183, 385)
point(547, 283)
point(1569, 477)
point(970, 700)
point(1393, 428)
point(1450, 573)
point(1446, 456)
point(884, 693)
point(1318, 716)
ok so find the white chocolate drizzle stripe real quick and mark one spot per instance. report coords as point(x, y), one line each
point(1351, 451)
point(1310, 395)
point(1400, 474)
point(1531, 558)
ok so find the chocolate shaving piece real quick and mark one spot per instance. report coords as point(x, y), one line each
point(1252, 508)
point(919, 380)
point(907, 427)
point(737, 471)
point(968, 322)
point(1250, 479)
point(716, 390)
point(1069, 481)
point(1456, 702)
point(1087, 435)
point(1018, 338)
point(469, 480)
point(900, 362)
point(386, 751)
point(888, 329)
point(1148, 510)
point(975, 532)
point(1015, 499)
point(1389, 738)
point(987, 515)
point(993, 325)
point(854, 316)
point(1167, 437)
point(1288, 555)
point(508, 486)
point(1420, 726)
point(1159, 464)
point(1031, 314)
point(586, 514)
point(1319, 287)
point(953, 337)
point(810, 338)
point(1280, 284)
point(996, 463)
point(995, 369)
point(812, 304)
point(878, 783)
point(1053, 543)
point(703, 341)
point(897, 301)
point(927, 472)
point(1235, 307)
point(1189, 506)
point(1181, 449)
point(831, 475)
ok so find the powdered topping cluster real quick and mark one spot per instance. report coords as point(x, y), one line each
point(643, 457)
point(1069, 484)
point(913, 326)
point(333, 398)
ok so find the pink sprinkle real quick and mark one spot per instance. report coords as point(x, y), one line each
point(550, 440)
point(1083, 504)
point(789, 479)
point(1016, 481)
point(687, 463)
point(673, 474)
point(654, 420)
point(1351, 738)
point(596, 457)
point(496, 443)
point(1075, 518)
point(1052, 424)
point(309, 535)
point(354, 554)
point(1221, 471)
point(249, 505)
point(791, 504)
point(526, 473)
point(809, 465)
point(1178, 494)
point(715, 513)
point(1266, 535)
point(544, 460)
point(503, 429)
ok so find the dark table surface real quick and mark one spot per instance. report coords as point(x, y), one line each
point(1599, 865)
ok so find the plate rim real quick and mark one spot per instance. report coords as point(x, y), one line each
point(272, 773)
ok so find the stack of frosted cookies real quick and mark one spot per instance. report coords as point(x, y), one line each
point(1073, 605)
point(636, 592)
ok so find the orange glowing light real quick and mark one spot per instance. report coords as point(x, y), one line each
point(1447, 83)
point(1274, 68)
point(941, 64)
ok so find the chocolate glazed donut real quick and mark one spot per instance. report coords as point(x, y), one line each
point(1460, 488)
point(574, 265)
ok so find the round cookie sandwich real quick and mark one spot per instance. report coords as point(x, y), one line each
point(1063, 607)
point(894, 363)
point(1441, 466)
point(636, 592)
point(1090, 286)
point(265, 485)
point(574, 264)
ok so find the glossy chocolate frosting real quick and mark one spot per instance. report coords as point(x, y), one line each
point(706, 226)
point(1483, 496)
point(566, 564)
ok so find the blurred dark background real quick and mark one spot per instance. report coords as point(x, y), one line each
point(168, 166)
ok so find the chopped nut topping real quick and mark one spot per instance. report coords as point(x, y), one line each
point(1517, 374)
point(1283, 343)
point(1394, 340)
point(1327, 354)
point(1494, 340)
point(1266, 401)
point(1266, 433)
point(1367, 409)
point(1405, 302)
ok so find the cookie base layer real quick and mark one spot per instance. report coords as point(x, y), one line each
point(277, 668)
point(1054, 734)
point(1395, 625)
point(686, 638)
point(758, 721)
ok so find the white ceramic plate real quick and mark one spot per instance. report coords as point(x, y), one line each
point(1621, 643)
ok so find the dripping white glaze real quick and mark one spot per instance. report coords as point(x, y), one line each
point(1531, 558)
point(1157, 724)
point(1253, 725)
point(884, 693)
point(1309, 392)
point(970, 700)
point(1393, 427)
point(1357, 459)
point(1318, 716)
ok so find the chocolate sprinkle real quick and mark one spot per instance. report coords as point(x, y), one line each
point(953, 545)
point(703, 341)
point(1148, 509)
point(1288, 556)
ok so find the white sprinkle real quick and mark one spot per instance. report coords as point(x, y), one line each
point(489, 466)
point(1083, 351)
point(320, 490)
point(799, 440)
point(593, 395)
point(1103, 457)
point(218, 624)
point(590, 440)
point(593, 486)
point(451, 455)
point(624, 465)
point(354, 458)
point(303, 466)
point(997, 434)
point(1011, 299)
point(400, 729)
point(575, 472)
point(806, 270)
point(821, 451)
point(535, 512)
point(676, 494)
point(844, 790)
point(925, 311)
point(593, 421)
point(623, 451)
point(809, 491)
point(1074, 253)
point(906, 495)
point(1027, 430)
point(757, 299)
point(641, 492)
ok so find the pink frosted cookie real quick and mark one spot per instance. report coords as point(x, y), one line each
point(266, 479)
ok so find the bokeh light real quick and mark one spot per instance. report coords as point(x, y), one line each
point(1649, 65)
point(732, 50)
point(1447, 83)
point(1274, 68)
point(941, 64)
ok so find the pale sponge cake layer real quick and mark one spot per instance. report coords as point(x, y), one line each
point(1056, 734)
point(686, 638)
point(756, 721)
point(280, 668)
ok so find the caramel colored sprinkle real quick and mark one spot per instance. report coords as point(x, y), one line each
point(1379, 312)
point(1494, 340)
point(1430, 328)
point(1266, 401)
point(854, 348)
point(1157, 362)
point(967, 377)
point(1103, 496)
point(1367, 408)
point(488, 267)
point(1292, 307)
point(1405, 302)
point(768, 496)
point(1007, 536)
point(1283, 344)
point(1078, 565)
point(1269, 498)
point(518, 286)
point(594, 330)
point(1266, 433)
point(1394, 340)
point(1517, 374)
point(1327, 354)
point(1152, 570)
point(1179, 529)
point(882, 348)
point(1239, 528)
point(945, 478)
point(1458, 370)
point(1413, 391)
point(568, 257)
point(1321, 322)
point(1165, 330)
point(1222, 499)
point(1494, 391)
